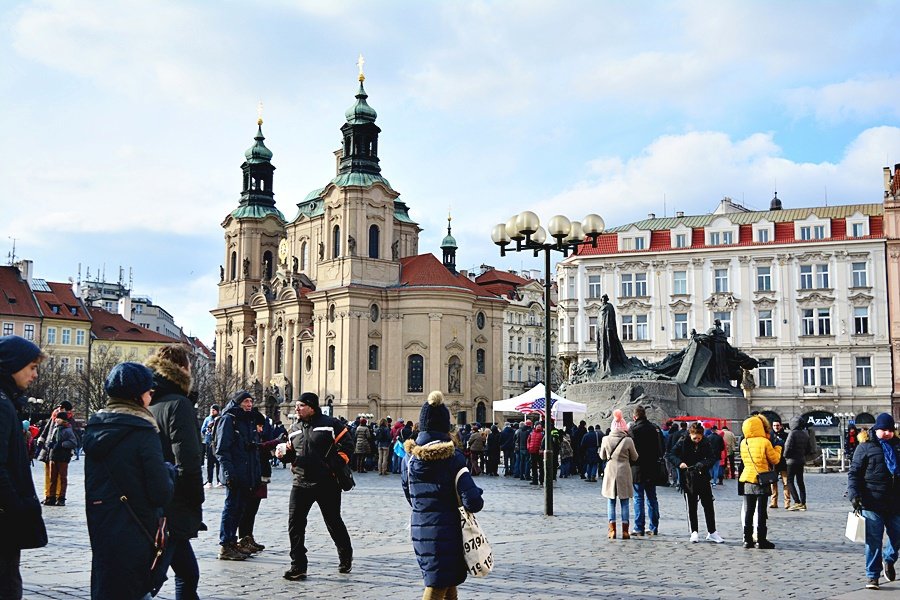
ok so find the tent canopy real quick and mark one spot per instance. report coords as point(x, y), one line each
point(560, 404)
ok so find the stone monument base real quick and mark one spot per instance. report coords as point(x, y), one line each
point(662, 400)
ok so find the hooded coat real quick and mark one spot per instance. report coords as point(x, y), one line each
point(428, 475)
point(618, 450)
point(180, 439)
point(799, 443)
point(758, 455)
point(236, 445)
point(123, 456)
point(870, 479)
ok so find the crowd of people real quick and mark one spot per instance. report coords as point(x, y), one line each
point(145, 480)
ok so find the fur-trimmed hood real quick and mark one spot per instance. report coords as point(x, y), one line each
point(166, 369)
point(437, 450)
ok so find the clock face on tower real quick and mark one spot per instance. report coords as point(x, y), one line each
point(283, 251)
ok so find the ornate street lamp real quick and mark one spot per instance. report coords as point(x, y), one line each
point(562, 235)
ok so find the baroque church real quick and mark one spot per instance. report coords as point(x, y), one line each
point(337, 299)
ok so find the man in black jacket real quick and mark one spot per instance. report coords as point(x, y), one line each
point(648, 441)
point(20, 510)
point(310, 440)
point(180, 439)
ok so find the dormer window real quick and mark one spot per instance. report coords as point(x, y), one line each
point(721, 232)
point(54, 308)
point(812, 228)
point(858, 225)
point(634, 239)
point(680, 236)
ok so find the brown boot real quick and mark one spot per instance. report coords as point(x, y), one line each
point(625, 534)
point(612, 530)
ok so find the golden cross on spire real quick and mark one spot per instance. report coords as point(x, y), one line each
point(259, 108)
point(360, 63)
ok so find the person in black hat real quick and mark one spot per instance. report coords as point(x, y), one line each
point(212, 464)
point(61, 446)
point(310, 439)
point(20, 511)
point(44, 443)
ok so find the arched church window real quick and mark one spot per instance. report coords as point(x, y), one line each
point(481, 413)
point(415, 367)
point(304, 256)
point(479, 361)
point(279, 355)
point(336, 241)
point(262, 184)
point(233, 266)
point(253, 183)
point(267, 264)
point(331, 357)
point(374, 241)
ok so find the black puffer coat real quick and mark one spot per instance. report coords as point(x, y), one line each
point(870, 479)
point(180, 439)
point(237, 445)
point(648, 443)
point(123, 457)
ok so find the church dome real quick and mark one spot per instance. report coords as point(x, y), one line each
point(258, 152)
point(361, 112)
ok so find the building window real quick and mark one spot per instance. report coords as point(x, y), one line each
point(592, 329)
point(809, 372)
point(233, 269)
point(679, 283)
point(374, 237)
point(681, 240)
point(79, 365)
point(806, 278)
point(138, 309)
point(627, 327)
point(336, 241)
point(510, 343)
point(721, 280)
point(571, 288)
point(479, 361)
point(373, 357)
point(109, 306)
point(805, 233)
point(594, 286)
point(642, 330)
point(727, 237)
point(572, 329)
point(528, 344)
point(66, 336)
point(519, 374)
point(64, 364)
point(766, 372)
point(857, 229)
point(823, 321)
point(819, 232)
point(864, 371)
point(9, 328)
point(627, 285)
point(860, 320)
point(826, 372)
point(860, 276)
point(714, 238)
point(51, 335)
point(304, 256)
point(640, 284)
point(762, 236)
point(764, 279)
point(765, 323)
point(808, 322)
point(511, 373)
point(822, 279)
point(519, 344)
point(29, 332)
point(331, 357)
point(414, 372)
point(681, 328)
point(638, 243)
point(529, 379)
point(725, 320)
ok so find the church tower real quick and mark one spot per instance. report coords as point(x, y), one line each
point(448, 247)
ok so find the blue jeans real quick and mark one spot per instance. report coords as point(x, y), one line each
point(236, 500)
point(875, 527)
point(715, 472)
point(611, 509)
point(648, 490)
point(524, 467)
point(180, 557)
point(591, 470)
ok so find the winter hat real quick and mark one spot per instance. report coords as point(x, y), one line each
point(128, 380)
point(618, 422)
point(884, 421)
point(65, 405)
point(310, 399)
point(16, 353)
point(434, 415)
point(215, 407)
point(25, 425)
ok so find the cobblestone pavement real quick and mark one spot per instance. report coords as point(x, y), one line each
point(563, 556)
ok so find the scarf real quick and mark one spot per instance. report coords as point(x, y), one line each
point(890, 456)
point(128, 407)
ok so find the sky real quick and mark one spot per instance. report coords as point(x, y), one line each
point(125, 122)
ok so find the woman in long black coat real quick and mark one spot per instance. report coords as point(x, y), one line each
point(123, 457)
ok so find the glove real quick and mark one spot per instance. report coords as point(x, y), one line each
point(857, 503)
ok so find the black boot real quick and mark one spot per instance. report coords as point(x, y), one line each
point(761, 542)
point(748, 537)
point(49, 501)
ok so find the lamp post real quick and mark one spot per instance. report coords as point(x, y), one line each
point(564, 236)
point(841, 417)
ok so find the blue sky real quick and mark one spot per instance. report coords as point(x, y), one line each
point(125, 122)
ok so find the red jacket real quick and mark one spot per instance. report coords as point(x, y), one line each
point(535, 441)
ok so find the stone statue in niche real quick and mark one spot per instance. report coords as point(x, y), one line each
point(351, 244)
point(453, 383)
point(395, 250)
point(266, 271)
point(221, 273)
point(246, 267)
point(321, 250)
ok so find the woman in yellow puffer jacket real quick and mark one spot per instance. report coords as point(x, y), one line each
point(757, 456)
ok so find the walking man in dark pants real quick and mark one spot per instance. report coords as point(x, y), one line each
point(309, 441)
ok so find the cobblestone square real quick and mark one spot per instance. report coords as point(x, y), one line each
point(563, 556)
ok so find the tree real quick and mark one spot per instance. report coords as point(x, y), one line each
point(103, 358)
point(55, 382)
point(214, 385)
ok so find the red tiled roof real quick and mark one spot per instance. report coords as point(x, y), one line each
point(16, 298)
point(660, 240)
point(425, 270)
point(68, 306)
point(201, 347)
point(113, 327)
point(496, 276)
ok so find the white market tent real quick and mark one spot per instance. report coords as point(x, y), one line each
point(560, 404)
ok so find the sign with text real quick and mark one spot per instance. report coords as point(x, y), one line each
point(819, 418)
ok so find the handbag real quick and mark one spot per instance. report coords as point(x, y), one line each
point(856, 527)
point(764, 478)
point(476, 549)
point(339, 464)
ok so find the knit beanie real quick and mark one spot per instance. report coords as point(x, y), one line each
point(128, 381)
point(16, 353)
point(618, 422)
point(435, 416)
point(311, 400)
point(884, 421)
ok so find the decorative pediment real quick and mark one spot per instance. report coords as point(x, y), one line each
point(680, 305)
point(258, 299)
point(722, 301)
point(454, 346)
point(375, 334)
point(813, 257)
point(815, 299)
point(763, 260)
point(306, 335)
point(635, 265)
point(331, 334)
point(634, 305)
point(480, 339)
point(721, 262)
point(861, 299)
point(415, 345)
point(592, 308)
point(250, 340)
point(764, 302)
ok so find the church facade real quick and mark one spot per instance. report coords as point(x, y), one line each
point(337, 299)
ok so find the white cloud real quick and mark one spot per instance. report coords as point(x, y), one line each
point(858, 99)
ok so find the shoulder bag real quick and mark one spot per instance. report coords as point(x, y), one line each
point(476, 548)
point(764, 478)
point(339, 463)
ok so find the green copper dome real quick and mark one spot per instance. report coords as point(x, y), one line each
point(361, 112)
point(258, 152)
point(449, 242)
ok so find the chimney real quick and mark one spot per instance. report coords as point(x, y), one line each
point(887, 180)
point(679, 214)
point(651, 215)
point(26, 270)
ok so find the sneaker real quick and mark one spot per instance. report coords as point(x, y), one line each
point(872, 584)
point(257, 547)
point(802, 507)
point(652, 532)
point(208, 485)
point(60, 502)
point(889, 572)
point(244, 547)
point(230, 552)
point(220, 484)
point(695, 537)
point(640, 533)
point(295, 574)
point(715, 537)
point(794, 507)
point(345, 566)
